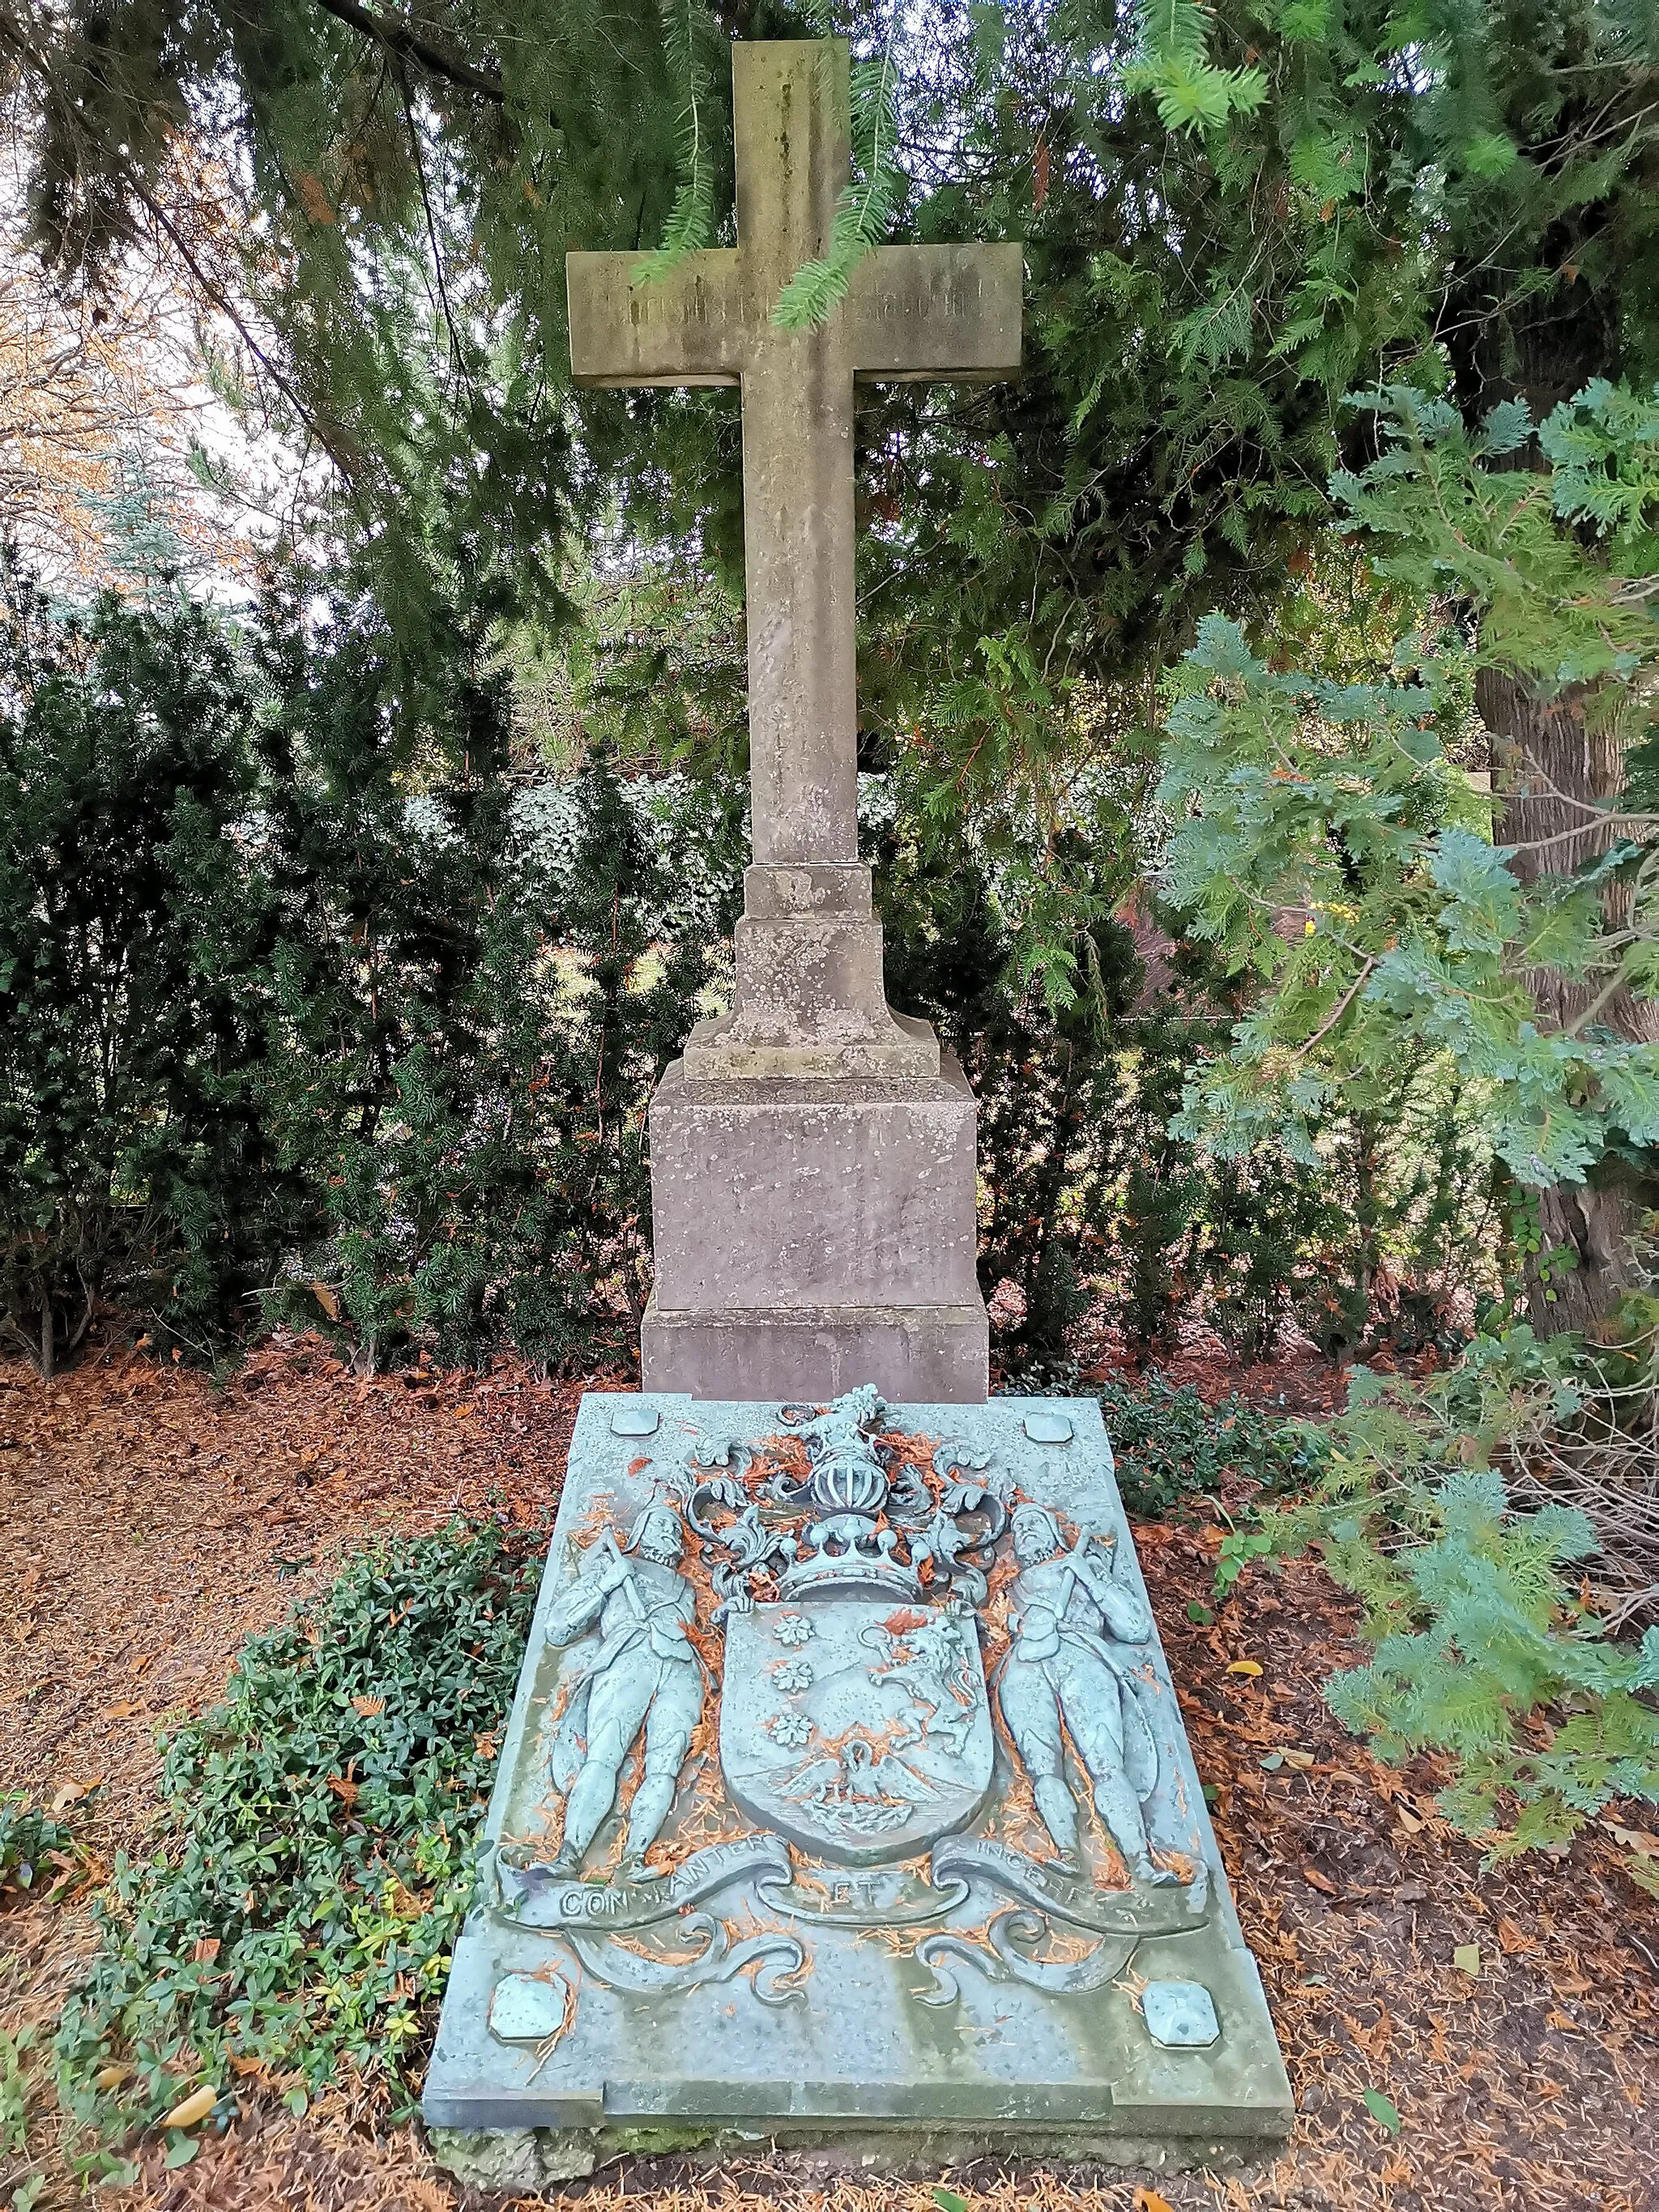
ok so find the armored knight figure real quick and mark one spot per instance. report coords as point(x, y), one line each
point(1065, 1675)
point(635, 1669)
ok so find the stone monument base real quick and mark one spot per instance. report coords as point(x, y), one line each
point(809, 1234)
point(819, 1350)
point(546, 2158)
point(845, 1799)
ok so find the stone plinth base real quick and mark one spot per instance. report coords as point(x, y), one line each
point(546, 2158)
point(818, 1352)
point(811, 1234)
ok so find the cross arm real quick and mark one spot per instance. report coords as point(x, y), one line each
point(685, 328)
point(918, 313)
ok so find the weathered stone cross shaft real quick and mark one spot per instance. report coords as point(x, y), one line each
point(809, 999)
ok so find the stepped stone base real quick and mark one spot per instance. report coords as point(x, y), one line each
point(938, 1353)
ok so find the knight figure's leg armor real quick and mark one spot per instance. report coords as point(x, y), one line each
point(617, 1704)
point(1092, 1701)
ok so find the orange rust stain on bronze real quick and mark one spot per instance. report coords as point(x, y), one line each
point(901, 1622)
point(597, 1515)
point(1014, 1819)
point(776, 1456)
point(745, 1923)
point(898, 1942)
point(1059, 1947)
point(902, 1943)
point(669, 1955)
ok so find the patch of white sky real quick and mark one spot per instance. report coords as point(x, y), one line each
point(171, 384)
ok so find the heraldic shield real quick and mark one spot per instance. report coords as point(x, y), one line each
point(858, 1727)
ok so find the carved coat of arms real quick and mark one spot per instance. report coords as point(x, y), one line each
point(856, 1726)
point(855, 1718)
point(848, 1586)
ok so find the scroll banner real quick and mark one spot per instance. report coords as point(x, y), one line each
point(775, 1961)
point(535, 1897)
point(1079, 1903)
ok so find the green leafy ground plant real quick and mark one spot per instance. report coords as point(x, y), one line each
point(1491, 1645)
point(32, 1845)
point(314, 1859)
point(1172, 1445)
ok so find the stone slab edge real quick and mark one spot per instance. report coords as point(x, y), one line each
point(545, 2158)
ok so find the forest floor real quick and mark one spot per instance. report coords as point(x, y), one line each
point(148, 1523)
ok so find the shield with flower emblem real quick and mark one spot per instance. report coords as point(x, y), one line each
point(857, 1726)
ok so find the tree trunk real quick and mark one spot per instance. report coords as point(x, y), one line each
point(1553, 759)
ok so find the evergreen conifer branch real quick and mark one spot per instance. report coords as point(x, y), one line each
point(691, 219)
point(1488, 1613)
point(1173, 64)
point(866, 206)
point(409, 42)
point(1340, 804)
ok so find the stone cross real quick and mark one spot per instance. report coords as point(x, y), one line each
point(809, 999)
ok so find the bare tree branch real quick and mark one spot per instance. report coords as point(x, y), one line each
point(401, 38)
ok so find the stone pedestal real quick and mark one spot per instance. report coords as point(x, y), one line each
point(808, 999)
point(812, 1232)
